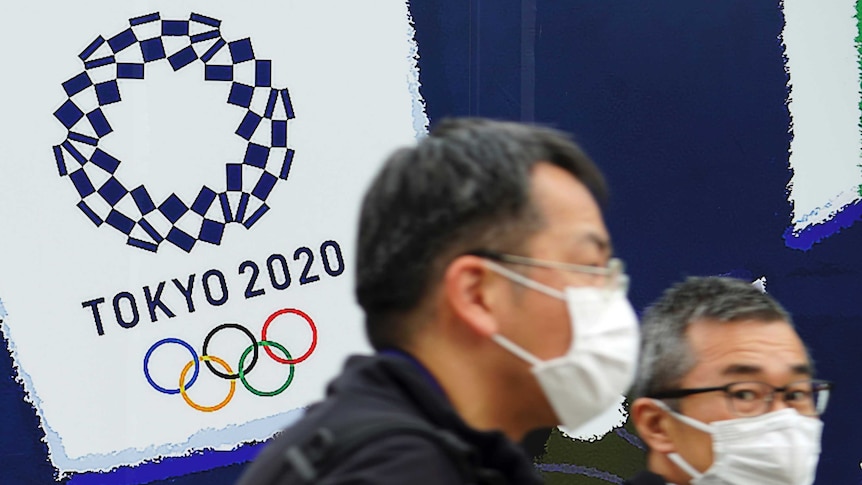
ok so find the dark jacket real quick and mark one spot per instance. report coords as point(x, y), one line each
point(394, 387)
point(646, 478)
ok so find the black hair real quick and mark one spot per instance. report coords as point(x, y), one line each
point(465, 186)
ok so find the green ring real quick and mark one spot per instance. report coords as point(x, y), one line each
point(264, 343)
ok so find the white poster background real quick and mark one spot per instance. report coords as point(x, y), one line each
point(353, 81)
point(823, 66)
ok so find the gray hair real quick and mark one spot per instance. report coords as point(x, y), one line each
point(666, 356)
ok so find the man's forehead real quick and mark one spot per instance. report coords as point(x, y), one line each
point(571, 217)
point(747, 348)
point(578, 239)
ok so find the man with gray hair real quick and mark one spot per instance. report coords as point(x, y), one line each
point(725, 392)
point(491, 296)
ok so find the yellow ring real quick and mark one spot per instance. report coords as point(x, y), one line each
point(206, 409)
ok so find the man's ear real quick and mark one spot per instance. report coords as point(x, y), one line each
point(470, 289)
point(653, 424)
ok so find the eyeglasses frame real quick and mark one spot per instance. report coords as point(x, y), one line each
point(615, 265)
point(680, 393)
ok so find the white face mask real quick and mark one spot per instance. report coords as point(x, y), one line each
point(777, 448)
point(601, 360)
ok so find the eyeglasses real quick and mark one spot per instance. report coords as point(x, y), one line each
point(610, 276)
point(746, 399)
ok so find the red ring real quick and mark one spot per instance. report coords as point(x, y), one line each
point(313, 335)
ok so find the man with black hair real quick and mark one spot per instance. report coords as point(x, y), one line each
point(725, 392)
point(493, 303)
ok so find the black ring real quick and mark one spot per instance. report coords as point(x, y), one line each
point(253, 343)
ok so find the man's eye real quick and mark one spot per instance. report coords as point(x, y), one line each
point(797, 395)
point(744, 395)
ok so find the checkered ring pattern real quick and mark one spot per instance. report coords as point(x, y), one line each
point(107, 200)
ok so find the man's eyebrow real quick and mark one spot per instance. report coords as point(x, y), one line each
point(741, 369)
point(747, 369)
point(603, 243)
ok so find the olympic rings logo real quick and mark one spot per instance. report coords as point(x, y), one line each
point(243, 368)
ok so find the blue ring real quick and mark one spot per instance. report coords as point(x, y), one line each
point(170, 341)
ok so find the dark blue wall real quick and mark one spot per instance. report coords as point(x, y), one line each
point(684, 106)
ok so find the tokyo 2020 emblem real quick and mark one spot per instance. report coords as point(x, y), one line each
point(127, 207)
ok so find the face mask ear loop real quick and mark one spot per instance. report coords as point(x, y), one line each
point(675, 457)
point(523, 280)
point(684, 466)
point(515, 349)
point(683, 418)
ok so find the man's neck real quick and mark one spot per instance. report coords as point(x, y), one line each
point(483, 401)
point(661, 465)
